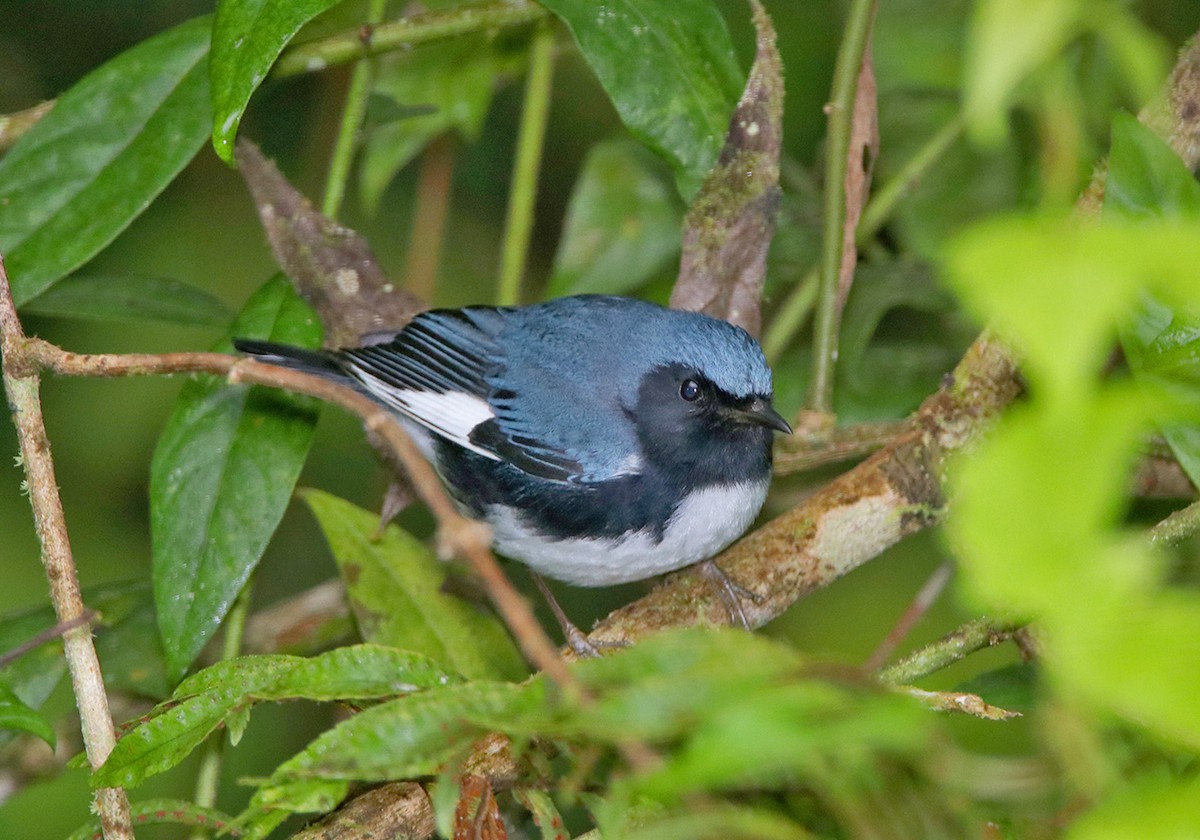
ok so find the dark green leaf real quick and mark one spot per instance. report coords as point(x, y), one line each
point(440, 87)
point(130, 299)
point(128, 642)
point(16, 715)
point(622, 224)
point(1146, 179)
point(247, 37)
point(394, 584)
point(222, 475)
point(669, 69)
point(95, 162)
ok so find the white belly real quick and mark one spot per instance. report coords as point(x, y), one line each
point(704, 523)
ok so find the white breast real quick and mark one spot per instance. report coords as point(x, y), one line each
point(703, 524)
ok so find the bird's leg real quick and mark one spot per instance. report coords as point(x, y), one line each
point(731, 593)
point(574, 636)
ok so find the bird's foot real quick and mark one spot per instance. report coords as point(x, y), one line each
point(731, 593)
point(576, 638)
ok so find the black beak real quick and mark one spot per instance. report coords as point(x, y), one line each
point(760, 411)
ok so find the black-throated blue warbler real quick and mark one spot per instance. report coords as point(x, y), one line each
point(604, 439)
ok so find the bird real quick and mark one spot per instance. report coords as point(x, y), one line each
point(604, 439)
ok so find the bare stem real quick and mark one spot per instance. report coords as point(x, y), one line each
point(972, 636)
point(407, 31)
point(352, 119)
point(519, 224)
point(22, 385)
point(429, 218)
point(841, 113)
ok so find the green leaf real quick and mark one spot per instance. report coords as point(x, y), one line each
point(128, 643)
point(670, 70)
point(1146, 179)
point(1011, 687)
point(135, 299)
point(173, 730)
point(247, 37)
point(95, 162)
point(221, 477)
point(1166, 810)
point(161, 812)
point(622, 225)
point(413, 735)
point(356, 672)
point(437, 88)
point(395, 584)
point(14, 714)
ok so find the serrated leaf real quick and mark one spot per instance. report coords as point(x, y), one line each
point(622, 224)
point(438, 88)
point(174, 730)
point(394, 584)
point(95, 162)
point(161, 812)
point(222, 475)
point(357, 672)
point(413, 735)
point(16, 715)
point(670, 70)
point(247, 37)
point(137, 299)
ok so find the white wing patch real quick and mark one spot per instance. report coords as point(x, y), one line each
point(452, 415)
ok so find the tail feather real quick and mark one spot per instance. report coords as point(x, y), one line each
point(296, 358)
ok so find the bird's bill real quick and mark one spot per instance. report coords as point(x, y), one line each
point(761, 412)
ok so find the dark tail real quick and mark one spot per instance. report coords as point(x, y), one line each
point(296, 358)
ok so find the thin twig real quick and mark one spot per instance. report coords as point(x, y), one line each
point(970, 637)
point(22, 385)
point(458, 535)
point(47, 635)
point(924, 599)
point(405, 32)
point(351, 122)
point(518, 225)
point(841, 115)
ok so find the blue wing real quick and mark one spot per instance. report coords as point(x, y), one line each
point(440, 373)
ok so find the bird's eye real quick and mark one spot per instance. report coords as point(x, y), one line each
point(690, 390)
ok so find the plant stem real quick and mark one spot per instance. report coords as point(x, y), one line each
point(970, 637)
point(208, 778)
point(418, 29)
point(841, 113)
point(22, 386)
point(790, 317)
point(429, 218)
point(519, 223)
point(351, 124)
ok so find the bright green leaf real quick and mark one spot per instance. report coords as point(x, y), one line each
point(622, 226)
point(1164, 811)
point(14, 714)
point(395, 585)
point(95, 162)
point(1009, 39)
point(247, 37)
point(670, 70)
point(356, 672)
point(413, 735)
point(136, 299)
point(437, 88)
point(222, 475)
